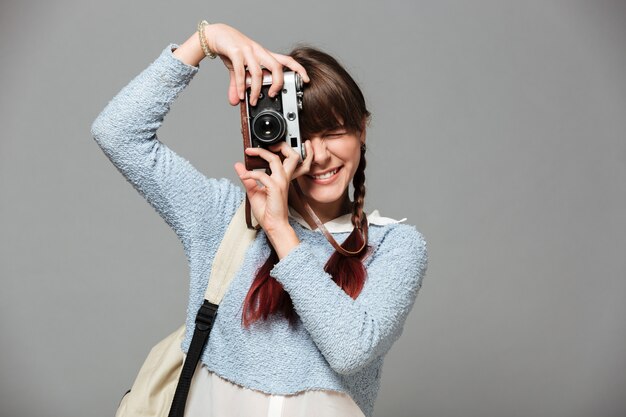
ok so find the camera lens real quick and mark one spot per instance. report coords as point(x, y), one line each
point(269, 126)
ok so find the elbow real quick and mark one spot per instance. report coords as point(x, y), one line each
point(101, 131)
point(344, 369)
point(97, 129)
point(374, 342)
point(347, 360)
point(349, 364)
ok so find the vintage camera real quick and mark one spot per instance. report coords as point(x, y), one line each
point(273, 119)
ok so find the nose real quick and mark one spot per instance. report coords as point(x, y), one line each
point(320, 151)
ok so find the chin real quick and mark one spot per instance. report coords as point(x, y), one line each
point(323, 197)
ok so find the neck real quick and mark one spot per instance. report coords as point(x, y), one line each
point(324, 211)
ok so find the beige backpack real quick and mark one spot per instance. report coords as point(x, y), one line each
point(163, 382)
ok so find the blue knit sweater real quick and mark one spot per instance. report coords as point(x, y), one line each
point(339, 342)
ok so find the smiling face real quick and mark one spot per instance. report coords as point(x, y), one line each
point(337, 152)
point(333, 119)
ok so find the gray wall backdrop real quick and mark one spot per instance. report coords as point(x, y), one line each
point(498, 131)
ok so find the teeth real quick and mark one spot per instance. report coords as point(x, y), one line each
point(324, 176)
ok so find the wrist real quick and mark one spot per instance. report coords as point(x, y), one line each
point(190, 52)
point(209, 31)
point(283, 239)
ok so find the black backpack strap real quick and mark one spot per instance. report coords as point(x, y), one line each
point(204, 324)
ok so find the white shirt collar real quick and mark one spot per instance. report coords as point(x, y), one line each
point(344, 223)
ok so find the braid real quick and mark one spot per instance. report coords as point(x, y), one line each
point(348, 272)
point(358, 181)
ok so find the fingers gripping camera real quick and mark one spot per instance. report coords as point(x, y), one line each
point(273, 119)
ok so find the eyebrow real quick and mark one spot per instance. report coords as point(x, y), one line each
point(335, 129)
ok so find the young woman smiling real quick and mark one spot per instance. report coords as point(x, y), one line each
point(304, 327)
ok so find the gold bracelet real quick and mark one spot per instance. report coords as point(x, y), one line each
point(203, 42)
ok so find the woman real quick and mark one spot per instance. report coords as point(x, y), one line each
point(303, 329)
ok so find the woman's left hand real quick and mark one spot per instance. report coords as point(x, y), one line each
point(269, 203)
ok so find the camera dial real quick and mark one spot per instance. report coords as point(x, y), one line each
point(299, 93)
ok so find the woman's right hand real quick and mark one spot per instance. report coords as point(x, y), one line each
point(237, 51)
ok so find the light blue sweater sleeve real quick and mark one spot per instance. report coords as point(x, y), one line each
point(126, 132)
point(350, 333)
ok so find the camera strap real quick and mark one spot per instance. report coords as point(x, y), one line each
point(250, 220)
point(320, 225)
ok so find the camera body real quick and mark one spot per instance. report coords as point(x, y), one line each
point(272, 119)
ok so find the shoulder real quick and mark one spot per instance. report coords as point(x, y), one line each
point(401, 241)
point(398, 234)
point(225, 186)
point(221, 199)
point(387, 228)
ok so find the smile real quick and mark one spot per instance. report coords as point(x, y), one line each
point(327, 177)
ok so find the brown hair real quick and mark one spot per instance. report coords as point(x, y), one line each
point(331, 100)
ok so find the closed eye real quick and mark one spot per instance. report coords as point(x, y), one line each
point(335, 134)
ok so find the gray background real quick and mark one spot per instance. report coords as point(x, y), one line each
point(498, 131)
